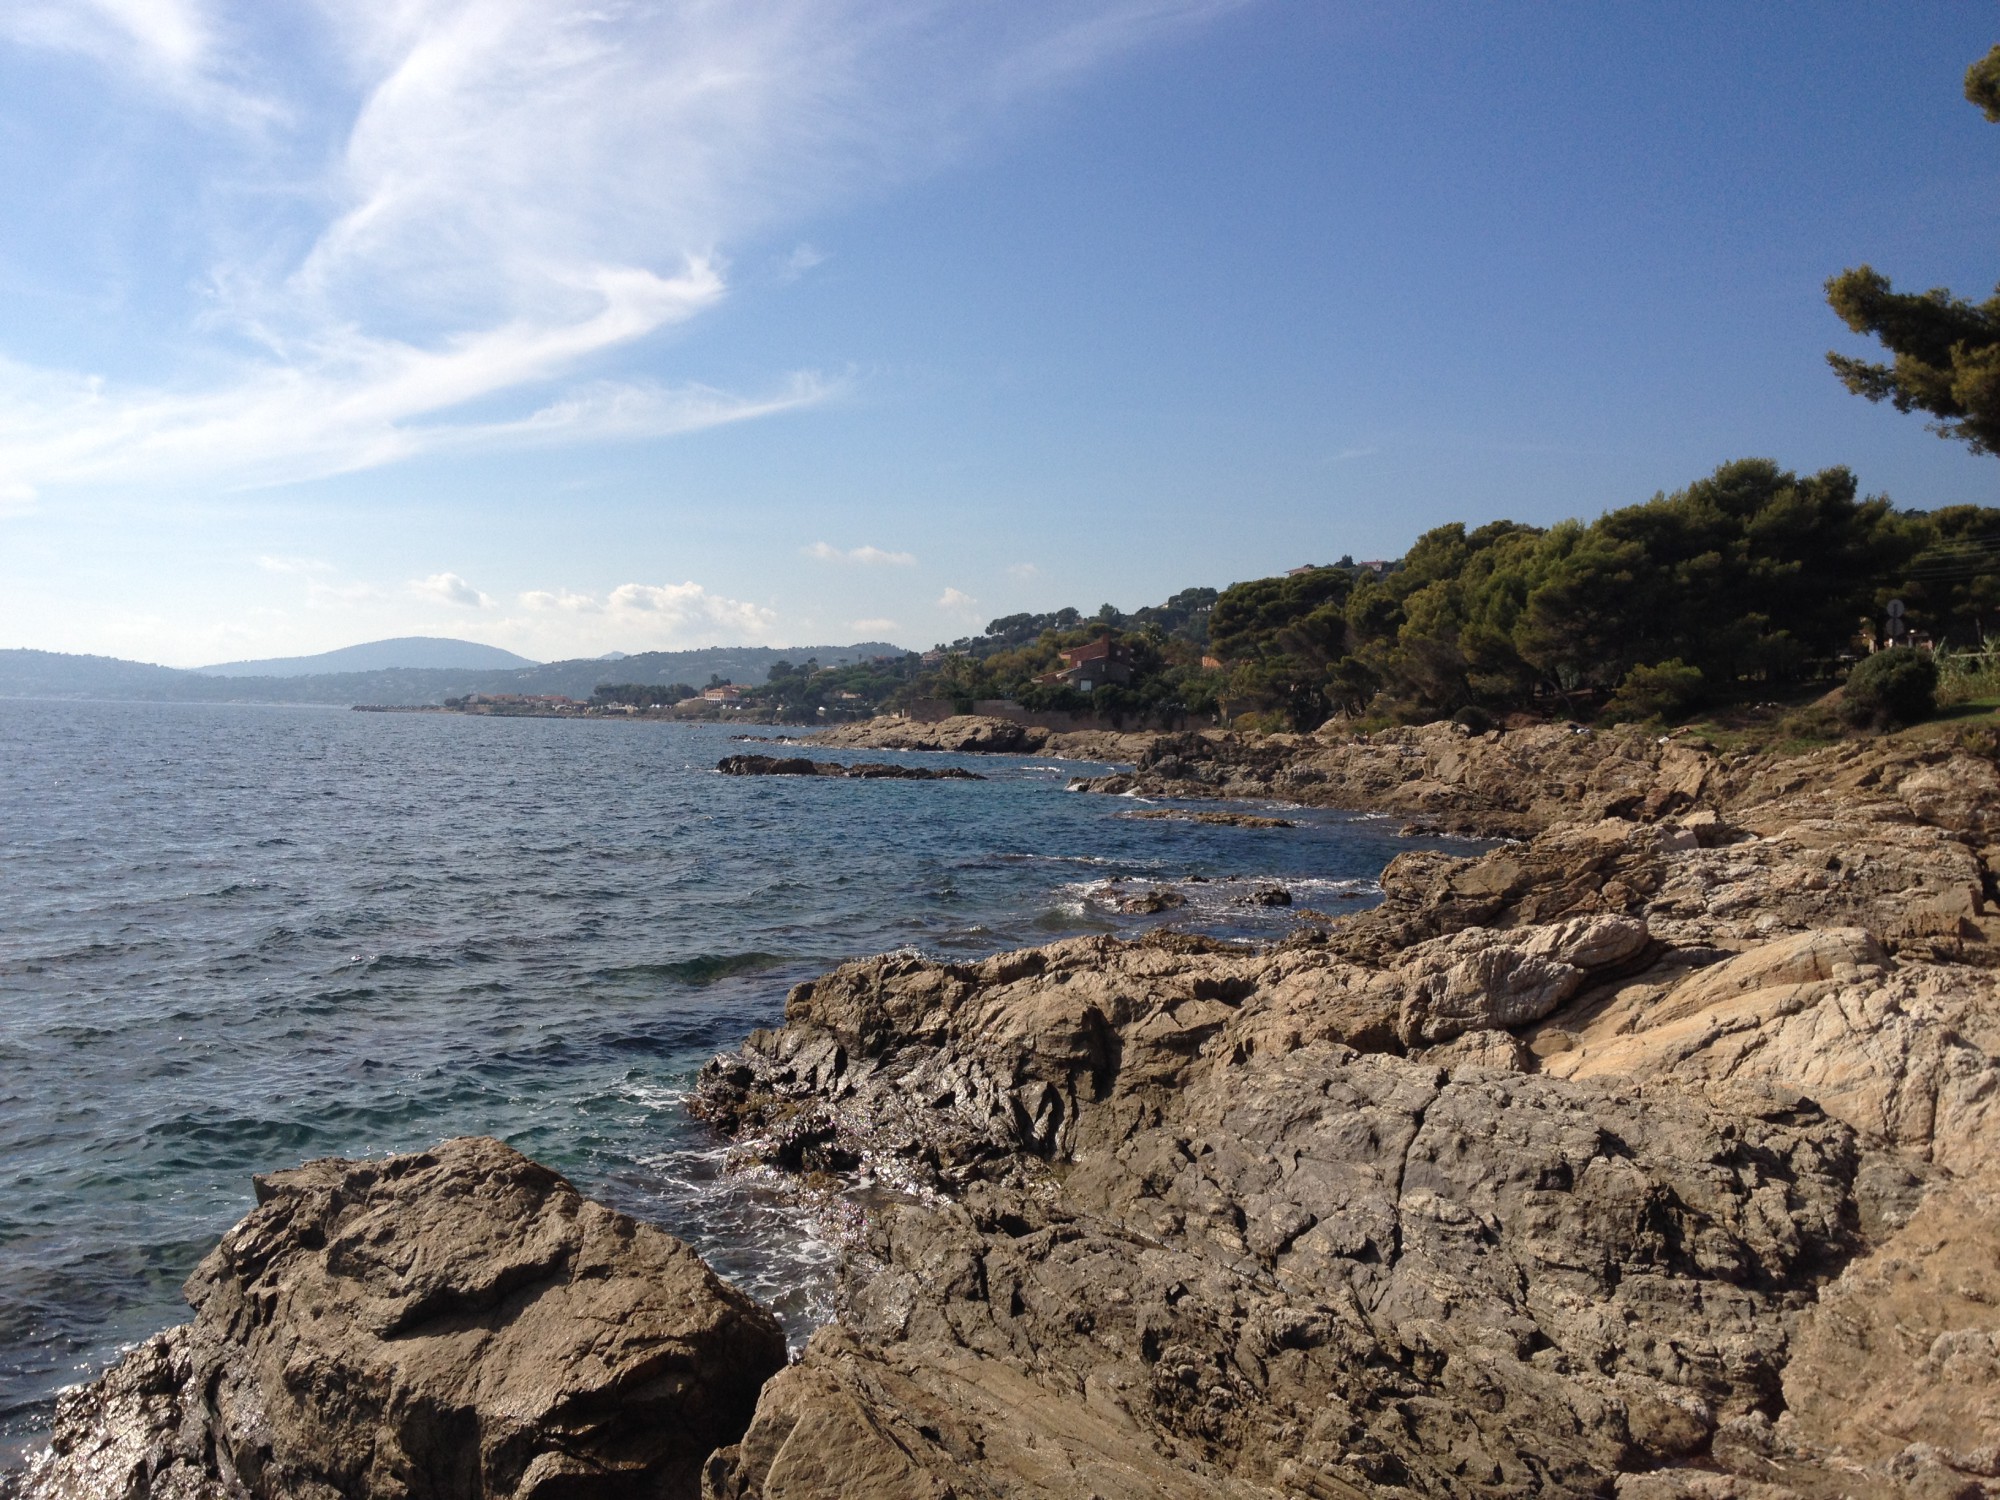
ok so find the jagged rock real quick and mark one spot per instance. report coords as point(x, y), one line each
point(1646, 1157)
point(914, 1421)
point(1963, 796)
point(459, 1322)
point(1932, 1291)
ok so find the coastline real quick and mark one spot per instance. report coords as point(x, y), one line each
point(1601, 1161)
point(1651, 1153)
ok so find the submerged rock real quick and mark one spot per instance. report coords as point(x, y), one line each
point(458, 1322)
point(1217, 819)
point(1153, 899)
point(799, 765)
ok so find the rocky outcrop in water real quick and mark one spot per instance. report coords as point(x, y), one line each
point(1654, 1156)
point(799, 765)
point(962, 732)
point(980, 734)
point(459, 1322)
point(1213, 819)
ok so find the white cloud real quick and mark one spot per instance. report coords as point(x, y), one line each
point(1023, 570)
point(520, 195)
point(866, 556)
point(872, 627)
point(545, 600)
point(956, 601)
point(272, 564)
point(174, 48)
point(662, 611)
point(451, 589)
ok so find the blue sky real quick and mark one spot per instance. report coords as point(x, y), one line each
point(580, 325)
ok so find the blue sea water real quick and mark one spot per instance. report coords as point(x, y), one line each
point(233, 938)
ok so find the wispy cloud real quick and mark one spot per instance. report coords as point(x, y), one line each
point(872, 627)
point(1022, 570)
point(803, 258)
point(449, 588)
point(175, 48)
point(355, 402)
point(867, 557)
point(522, 196)
point(957, 601)
point(305, 565)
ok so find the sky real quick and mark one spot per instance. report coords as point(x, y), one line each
point(586, 325)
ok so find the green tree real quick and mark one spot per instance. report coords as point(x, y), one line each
point(1947, 350)
point(1666, 690)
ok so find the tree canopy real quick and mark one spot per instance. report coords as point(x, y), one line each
point(1947, 350)
point(1747, 580)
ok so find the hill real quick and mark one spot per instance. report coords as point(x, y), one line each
point(408, 651)
point(52, 674)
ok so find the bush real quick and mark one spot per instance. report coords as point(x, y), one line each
point(1968, 676)
point(1473, 718)
point(1890, 689)
point(1666, 690)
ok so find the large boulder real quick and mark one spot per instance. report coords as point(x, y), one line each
point(459, 1322)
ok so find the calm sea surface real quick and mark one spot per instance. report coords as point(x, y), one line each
point(233, 938)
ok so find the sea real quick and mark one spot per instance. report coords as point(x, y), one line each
point(237, 937)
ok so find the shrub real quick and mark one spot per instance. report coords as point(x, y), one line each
point(1666, 690)
point(1890, 689)
point(1473, 718)
point(1968, 676)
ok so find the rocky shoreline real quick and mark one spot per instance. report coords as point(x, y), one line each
point(1655, 1153)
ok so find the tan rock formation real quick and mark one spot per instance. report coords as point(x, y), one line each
point(1651, 1155)
point(458, 1322)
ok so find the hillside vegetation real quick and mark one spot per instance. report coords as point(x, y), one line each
point(1753, 581)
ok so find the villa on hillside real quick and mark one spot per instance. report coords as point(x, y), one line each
point(1087, 668)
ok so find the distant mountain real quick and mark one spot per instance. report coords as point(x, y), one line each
point(51, 674)
point(55, 674)
point(407, 651)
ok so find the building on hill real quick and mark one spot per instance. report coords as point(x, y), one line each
point(1088, 667)
point(727, 692)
